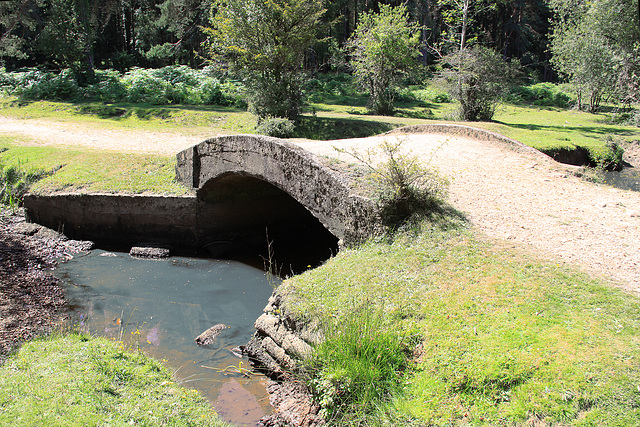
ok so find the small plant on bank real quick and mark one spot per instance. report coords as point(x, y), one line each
point(15, 182)
point(277, 127)
point(358, 365)
point(403, 185)
point(612, 157)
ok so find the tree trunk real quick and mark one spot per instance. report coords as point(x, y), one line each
point(465, 18)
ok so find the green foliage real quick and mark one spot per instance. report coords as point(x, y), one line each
point(545, 94)
point(358, 365)
point(331, 88)
point(595, 46)
point(14, 17)
point(278, 127)
point(610, 158)
point(70, 32)
point(36, 84)
point(265, 42)
point(167, 85)
point(15, 182)
point(76, 380)
point(383, 48)
point(477, 77)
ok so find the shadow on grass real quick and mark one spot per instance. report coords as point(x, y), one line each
point(593, 130)
point(119, 111)
point(438, 215)
point(328, 128)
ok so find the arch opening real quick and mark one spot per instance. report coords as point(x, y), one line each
point(262, 224)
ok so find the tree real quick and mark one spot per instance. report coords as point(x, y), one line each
point(383, 48)
point(71, 31)
point(596, 46)
point(265, 42)
point(16, 18)
point(477, 77)
point(515, 28)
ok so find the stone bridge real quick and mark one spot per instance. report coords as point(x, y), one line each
point(257, 182)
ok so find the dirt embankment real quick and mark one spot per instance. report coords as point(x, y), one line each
point(31, 299)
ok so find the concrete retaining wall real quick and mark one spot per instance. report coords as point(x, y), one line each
point(112, 219)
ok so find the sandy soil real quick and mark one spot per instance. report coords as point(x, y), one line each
point(518, 195)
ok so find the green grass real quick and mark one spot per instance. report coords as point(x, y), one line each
point(340, 116)
point(76, 380)
point(552, 128)
point(196, 119)
point(505, 338)
point(82, 169)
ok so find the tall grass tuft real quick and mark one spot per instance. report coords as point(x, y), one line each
point(358, 365)
point(15, 182)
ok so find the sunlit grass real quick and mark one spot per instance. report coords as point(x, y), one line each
point(192, 119)
point(92, 170)
point(504, 337)
point(76, 380)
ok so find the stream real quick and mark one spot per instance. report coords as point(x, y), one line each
point(161, 306)
point(627, 179)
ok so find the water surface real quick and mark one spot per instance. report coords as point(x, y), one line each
point(626, 179)
point(162, 305)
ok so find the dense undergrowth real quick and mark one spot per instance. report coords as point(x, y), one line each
point(168, 85)
point(77, 380)
point(489, 335)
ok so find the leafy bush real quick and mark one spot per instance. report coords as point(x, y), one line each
point(404, 187)
point(384, 47)
point(108, 87)
point(330, 87)
point(545, 94)
point(442, 98)
point(477, 77)
point(168, 85)
point(611, 157)
point(36, 85)
point(357, 366)
point(277, 127)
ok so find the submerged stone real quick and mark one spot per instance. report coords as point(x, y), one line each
point(209, 336)
point(149, 252)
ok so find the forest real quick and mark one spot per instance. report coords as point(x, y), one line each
point(594, 45)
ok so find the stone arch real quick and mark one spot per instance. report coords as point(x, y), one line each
point(223, 162)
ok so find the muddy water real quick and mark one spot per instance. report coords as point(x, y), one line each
point(627, 179)
point(162, 305)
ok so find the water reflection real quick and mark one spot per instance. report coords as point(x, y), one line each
point(162, 305)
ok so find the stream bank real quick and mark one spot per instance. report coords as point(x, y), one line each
point(31, 299)
point(33, 302)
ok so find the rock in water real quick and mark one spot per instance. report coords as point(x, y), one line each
point(149, 252)
point(208, 336)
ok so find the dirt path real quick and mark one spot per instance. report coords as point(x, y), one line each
point(516, 195)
